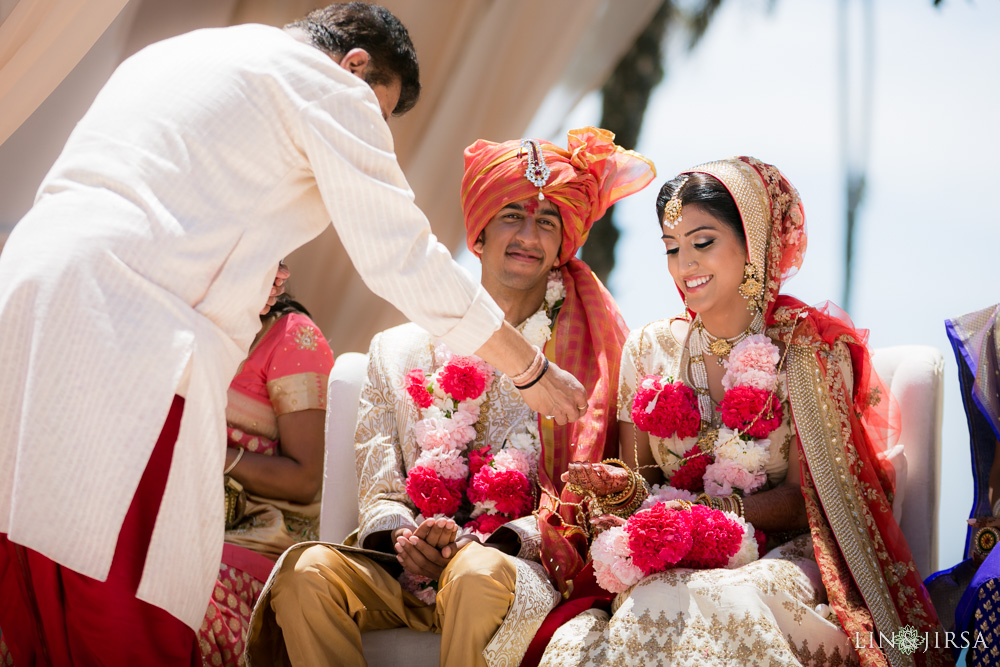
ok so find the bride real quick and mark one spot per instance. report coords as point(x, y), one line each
point(807, 469)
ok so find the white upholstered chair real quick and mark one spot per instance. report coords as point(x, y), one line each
point(912, 372)
point(915, 376)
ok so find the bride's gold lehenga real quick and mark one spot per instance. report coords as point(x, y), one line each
point(825, 597)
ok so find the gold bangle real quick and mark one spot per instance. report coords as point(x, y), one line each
point(233, 464)
point(621, 496)
point(738, 501)
point(579, 491)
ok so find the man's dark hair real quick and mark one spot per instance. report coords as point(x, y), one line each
point(360, 25)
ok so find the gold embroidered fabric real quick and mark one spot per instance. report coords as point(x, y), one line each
point(526, 530)
point(250, 415)
point(302, 391)
point(534, 597)
point(826, 447)
point(770, 612)
point(750, 194)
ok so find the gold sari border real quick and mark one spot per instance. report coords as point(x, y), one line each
point(749, 191)
point(824, 452)
point(294, 393)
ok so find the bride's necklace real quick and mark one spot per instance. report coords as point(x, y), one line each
point(701, 342)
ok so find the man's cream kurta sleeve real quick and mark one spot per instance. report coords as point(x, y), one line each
point(387, 237)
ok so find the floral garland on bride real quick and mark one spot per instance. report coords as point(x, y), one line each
point(499, 485)
point(750, 412)
point(658, 537)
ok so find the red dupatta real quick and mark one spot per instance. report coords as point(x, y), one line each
point(587, 342)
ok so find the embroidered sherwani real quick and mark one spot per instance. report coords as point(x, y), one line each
point(386, 449)
point(771, 611)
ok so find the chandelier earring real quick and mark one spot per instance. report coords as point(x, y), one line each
point(752, 287)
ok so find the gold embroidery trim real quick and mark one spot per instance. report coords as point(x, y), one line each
point(251, 415)
point(814, 412)
point(534, 597)
point(750, 194)
point(294, 393)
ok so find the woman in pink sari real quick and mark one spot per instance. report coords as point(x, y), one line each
point(275, 417)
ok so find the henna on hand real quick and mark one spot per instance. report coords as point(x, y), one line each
point(600, 478)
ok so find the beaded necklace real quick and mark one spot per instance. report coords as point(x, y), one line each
point(701, 342)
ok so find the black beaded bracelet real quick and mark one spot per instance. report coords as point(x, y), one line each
point(545, 367)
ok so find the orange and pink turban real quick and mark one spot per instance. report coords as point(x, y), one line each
point(586, 178)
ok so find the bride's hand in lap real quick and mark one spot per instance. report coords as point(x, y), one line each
point(602, 479)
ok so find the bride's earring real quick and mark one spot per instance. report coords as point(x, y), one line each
point(752, 287)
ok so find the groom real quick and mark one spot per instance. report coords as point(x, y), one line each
point(528, 208)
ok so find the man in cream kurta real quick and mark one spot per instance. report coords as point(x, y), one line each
point(139, 273)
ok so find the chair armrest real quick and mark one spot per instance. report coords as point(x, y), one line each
point(339, 510)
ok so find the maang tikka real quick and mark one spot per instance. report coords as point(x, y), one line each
point(537, 172)
point(672, 211)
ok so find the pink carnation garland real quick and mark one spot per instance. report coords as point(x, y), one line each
point(750, 408)
point(656, 539)
point(499, 485)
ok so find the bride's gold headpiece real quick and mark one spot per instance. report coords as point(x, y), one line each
point(672, 211)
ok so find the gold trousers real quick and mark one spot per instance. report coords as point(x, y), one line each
point(323, 600)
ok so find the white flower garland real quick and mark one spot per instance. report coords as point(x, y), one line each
point(537, 329)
